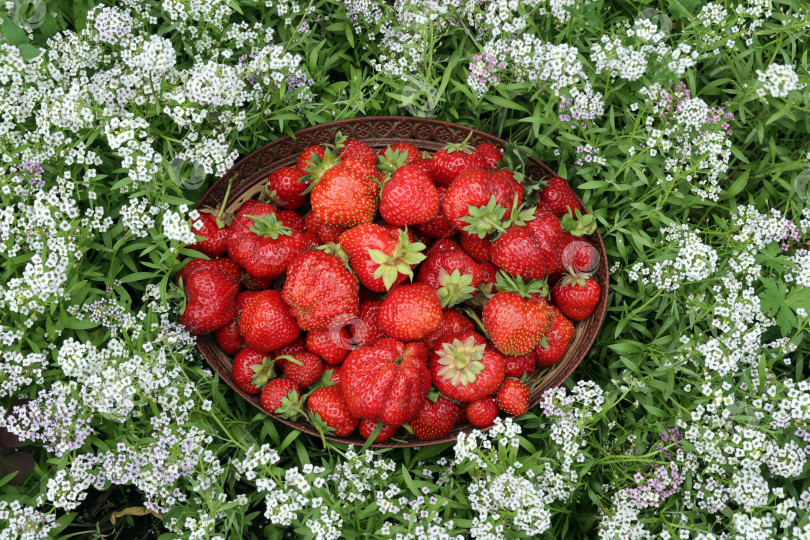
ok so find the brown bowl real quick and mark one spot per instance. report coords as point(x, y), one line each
point(379, 132)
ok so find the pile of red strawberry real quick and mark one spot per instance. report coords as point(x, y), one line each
point(413, 293)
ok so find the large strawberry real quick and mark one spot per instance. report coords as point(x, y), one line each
point(514, 319)
point(548, 233)
point(318, 289)
point(518, 252)
point(231, 269)
point(452, 273)
point(410, 312)
point(439, 226)
point(513, 397)
point(285, 189)
point(228, 337)
point(452, 324)
point(379, 259)
point(210, 297)
point(329, 412)
point(477, 202)
point(482, 412)
point(558, 339)
point(266, 322)
point(380, 384)
point(465, 369)
point(559, 197)
point(344, 196)
point(436, 419)
point(409, 197)
point(454, 159)
point(576, 295)
point(215, 233)
point(251, 370)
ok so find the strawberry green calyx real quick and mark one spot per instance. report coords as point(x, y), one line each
point(269, 226)
point(573, 278)
point(519, 214)
point(579, 224)
point(262, 372)
point(463, 146)
point(486, 219)
point(340, 140)
point(461, 361)
point(454, 287)
point(506, 283)
point(319, 166)
point(391, 161)
point(406, 253)
point(292, 406)
point(335, 249)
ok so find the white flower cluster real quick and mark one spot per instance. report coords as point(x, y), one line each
point(778, 81)
point(19, 371)
point(25, 522)
point(138, 216)
point(176, 227)
point(693, 261)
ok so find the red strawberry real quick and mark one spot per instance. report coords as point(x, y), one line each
point(514, 319)
point(367, 427)
point(579, 255)
point(559, 197)
point(305, 160)
point(266, 322)
point(251, 370)
point(439, 226)
point(549, 233)
point(452, 324)
point(279, 394)
point(513, 397)
point(228, 337)
point(410, 312)
point(482, 412)
point(369, 332)
point(330, 413)
point(291, 349)
point(358, 151)
point(488, 273)
point(215, 232)
point(453, 274)
point(492, 154)
point(379, 259)
point(517, 366)
point(230, 267)
point(325, 233)
point(256, 283)
point(576, 295)
point(395, 156)
point(305, 370)
point(335, 378)
point(285, 189)
point(558, 340)
point(466, 369)
point(291, 219)
point(409, 197)
point(477, 248)
point(345, 197)
point(423, 164)
point(444, 244)
point(454, 159)
point(518, 252)
point(517, 187)
point(380, 384)
point(331, 345)
point(477, 201)
point(436, 419)
point(210, 294)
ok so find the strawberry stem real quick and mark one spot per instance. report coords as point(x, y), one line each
point(220, 223)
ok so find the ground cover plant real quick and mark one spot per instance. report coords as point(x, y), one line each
point(684, 126)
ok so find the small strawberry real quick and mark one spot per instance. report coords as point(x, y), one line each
point(559, 197)
point(466, 369)
point(303, 368)
point(228, 337)
point(409, 197)
point(477, 248)
point(410, 312)
point(251, 370)
point(518, 252)
point(332, 345)
point(291, 219)
point(325, 233)
point(439, 226)
point(557, 341)
point(215, 233)
point(379, 259)
point(518, 366)
point(477, 202)
point(395, 156)
point(335, 377)
point(367, 427)
point(345, 197)
point(492, 154)
point(452, 324)
point(369, 332)
point(318, 289)
point(424, 165)
point(290, 349)
point(511, 180)
point(279, 395)
point(513, 397)
point(576, 251)
point(329, 412)
point(514, 319)
point(306, 159)
point(285, 189)
point(381, 384)
point(266, 322)
point(210, 296)
point(454, 159)
point(436, 419)
point(358, 151)
point(444, 244)
point(453, 274)
point(577, 295)
point(482, 412)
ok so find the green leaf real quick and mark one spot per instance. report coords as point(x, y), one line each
point(13, 33)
